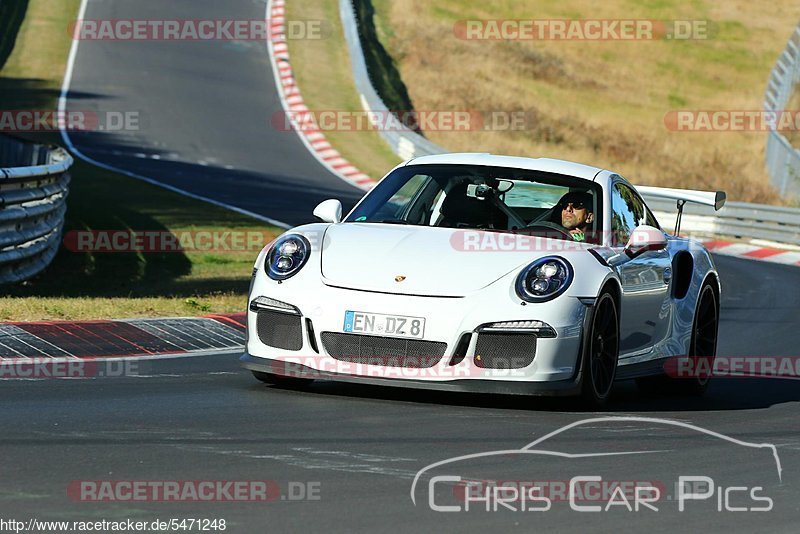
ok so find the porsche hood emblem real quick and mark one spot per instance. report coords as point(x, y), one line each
point(399, 278)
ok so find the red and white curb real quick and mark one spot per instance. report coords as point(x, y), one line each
point(133, 338)
point(753, 252)
point(293, 104)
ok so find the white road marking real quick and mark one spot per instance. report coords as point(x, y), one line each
point(307, 458)
point(62, 107)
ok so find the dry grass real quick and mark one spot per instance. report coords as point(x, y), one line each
point(601, 103)
point(323, 72)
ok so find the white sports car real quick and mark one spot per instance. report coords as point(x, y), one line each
point(476, 272)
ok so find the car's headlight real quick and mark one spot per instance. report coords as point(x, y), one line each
point(287, 256)
point(544, 279)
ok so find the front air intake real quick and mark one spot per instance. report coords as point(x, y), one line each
point(279, 330)
point(504, 351)
point(384, 351)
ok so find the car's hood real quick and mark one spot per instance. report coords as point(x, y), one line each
point(416, 260)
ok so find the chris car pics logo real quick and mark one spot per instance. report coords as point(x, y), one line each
point(445, 487)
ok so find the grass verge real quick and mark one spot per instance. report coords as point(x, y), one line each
point(115, 285)
point(324, 75)
point(12, 13)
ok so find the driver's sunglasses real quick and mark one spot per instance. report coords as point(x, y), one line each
point(575, 205)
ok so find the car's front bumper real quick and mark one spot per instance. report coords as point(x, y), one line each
point(503, 387)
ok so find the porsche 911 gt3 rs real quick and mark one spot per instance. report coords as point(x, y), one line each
point(477, 272)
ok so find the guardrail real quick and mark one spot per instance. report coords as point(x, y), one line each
point(404, 141)
point(34, 182)
point(737, 219)
point(783, 160)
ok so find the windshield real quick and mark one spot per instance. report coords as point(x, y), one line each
point(488, 198)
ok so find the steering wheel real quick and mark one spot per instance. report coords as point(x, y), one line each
point(547, 225)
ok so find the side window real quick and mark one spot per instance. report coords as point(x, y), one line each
point(651, 219)
point(627, 212)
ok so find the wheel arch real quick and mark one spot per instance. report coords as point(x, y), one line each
point(613, 286)
point(713, 278)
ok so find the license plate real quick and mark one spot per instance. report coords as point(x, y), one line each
point(384, 325)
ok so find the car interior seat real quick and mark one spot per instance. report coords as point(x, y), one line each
point(460, 210)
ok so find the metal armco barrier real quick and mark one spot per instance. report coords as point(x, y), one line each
point(736, 219)
point(783, 160)
point(405, 142)
point(34, 182)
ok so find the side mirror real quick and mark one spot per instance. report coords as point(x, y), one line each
point(644, 239)
point(329, 211)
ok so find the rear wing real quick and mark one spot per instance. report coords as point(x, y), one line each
point(714, 199)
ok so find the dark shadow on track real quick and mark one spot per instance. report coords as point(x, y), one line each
point(291, 197)
point(723, 394)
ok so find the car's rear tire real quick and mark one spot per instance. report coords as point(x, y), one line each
point(601, 352)
point(279, 380)
point(704, 341)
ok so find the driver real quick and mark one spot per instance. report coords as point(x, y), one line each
point(576, 214)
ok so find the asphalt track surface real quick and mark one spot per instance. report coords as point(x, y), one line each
point(204, 419)
point(205, 110)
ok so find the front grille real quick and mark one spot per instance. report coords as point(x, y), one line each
point(385, 351)
point(279, 330)
point(504, 351)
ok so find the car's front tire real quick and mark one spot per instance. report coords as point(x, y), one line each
point(601, 352)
